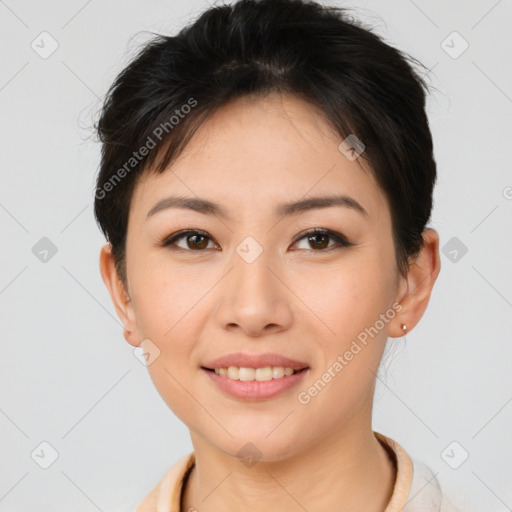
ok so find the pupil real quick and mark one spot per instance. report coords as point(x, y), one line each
point(195, 237)
point(316, 236)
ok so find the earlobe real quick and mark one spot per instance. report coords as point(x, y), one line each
point(419, 282)
point(120, 298)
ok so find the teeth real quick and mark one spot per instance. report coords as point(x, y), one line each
point(259, 374)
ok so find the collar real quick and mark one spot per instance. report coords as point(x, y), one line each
point(166, 495)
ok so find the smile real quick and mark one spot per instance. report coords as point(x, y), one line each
point(243, 383)
point(259, 374)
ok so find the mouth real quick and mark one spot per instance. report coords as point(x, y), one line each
point(248, 362)
point(255, 384)
point(257, 374)
point(215, 369)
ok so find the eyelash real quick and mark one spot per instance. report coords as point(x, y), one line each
point(340, 240)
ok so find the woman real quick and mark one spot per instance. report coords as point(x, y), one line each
point(265, 186)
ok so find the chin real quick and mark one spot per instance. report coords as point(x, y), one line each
point(258, 447)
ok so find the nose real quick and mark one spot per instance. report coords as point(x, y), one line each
point(254, 298)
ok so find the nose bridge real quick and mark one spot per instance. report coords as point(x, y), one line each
point(252, 257)
point(252, 278)
point(253, 296)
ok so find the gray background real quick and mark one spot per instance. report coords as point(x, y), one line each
point(68, 377)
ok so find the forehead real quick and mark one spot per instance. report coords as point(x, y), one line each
point(253, 153)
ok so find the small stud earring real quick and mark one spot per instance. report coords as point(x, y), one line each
point(404, 328)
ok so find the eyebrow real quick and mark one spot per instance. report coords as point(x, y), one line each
point(207, 207)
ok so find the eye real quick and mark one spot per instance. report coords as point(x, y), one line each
point(319, 236)
point(197, 240)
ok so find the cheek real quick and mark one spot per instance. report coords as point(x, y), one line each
point(162, 298)
point(347, 297)
point(166, 316)
point(350, 301)
point(350, 304)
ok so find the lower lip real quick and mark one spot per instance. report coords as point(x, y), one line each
point(254, 389)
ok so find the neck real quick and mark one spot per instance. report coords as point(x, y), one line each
point(346, 472)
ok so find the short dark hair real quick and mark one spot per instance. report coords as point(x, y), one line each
point(320, 54)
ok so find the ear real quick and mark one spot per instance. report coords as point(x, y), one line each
point(415, 289)
point(119, 295)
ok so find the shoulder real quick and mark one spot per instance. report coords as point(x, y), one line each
point(417, 488)
point(148, 504)
point(426, 493)
point(165, 495)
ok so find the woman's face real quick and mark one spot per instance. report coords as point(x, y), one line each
point(253, 282)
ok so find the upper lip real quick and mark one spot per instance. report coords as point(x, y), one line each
point(254, 361)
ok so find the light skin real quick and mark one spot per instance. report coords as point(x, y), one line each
point(298, 298)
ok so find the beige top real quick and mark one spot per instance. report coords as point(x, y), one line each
point(416, 489)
